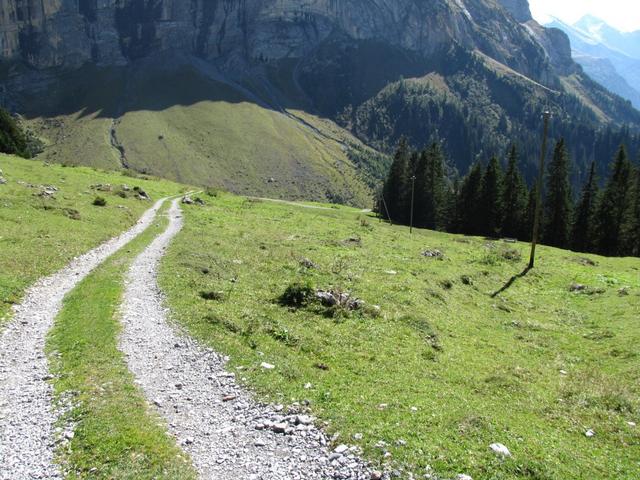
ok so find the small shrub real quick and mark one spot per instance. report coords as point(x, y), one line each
point(282, 335)
point(212, 192)
point(353, 241)
point(100, 202)
point(446, 284)
point(365, 223)
point(297, 295)
point(217, 296)
point(308, 264)
point(424, 329)
point(71, 213)
point(512, 255)
point(466, 280)
point(223, 322)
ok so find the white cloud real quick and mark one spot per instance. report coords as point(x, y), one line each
point(621, 14)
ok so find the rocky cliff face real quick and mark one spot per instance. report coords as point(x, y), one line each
point(54, 33)
point(519, 9)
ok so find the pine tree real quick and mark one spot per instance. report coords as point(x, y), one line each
point(431, 189)
point(491, 199)
point(613, 204)
point(394, 192)
point(631, 221)
point(421, 190)
point(514, 198)
point(439, 186)
point(468, 202)
point(582, 229)
point(557, 218)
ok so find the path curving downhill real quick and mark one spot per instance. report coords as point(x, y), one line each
point(227, 434)
point(27, 417)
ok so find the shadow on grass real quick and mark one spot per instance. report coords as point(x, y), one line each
point(511, 281)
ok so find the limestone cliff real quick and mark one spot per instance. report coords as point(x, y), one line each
point(54, 33)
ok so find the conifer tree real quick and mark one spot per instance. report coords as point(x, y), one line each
point(421, 191)
point(468, 203)
point(613, 204)
point(583, 228)
point(557, 219)
point(514, 198)
point(491, 199)
point(631, 221)
point(431, 189)
point(394, 191)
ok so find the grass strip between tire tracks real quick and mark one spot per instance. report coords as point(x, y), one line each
point(115, 435)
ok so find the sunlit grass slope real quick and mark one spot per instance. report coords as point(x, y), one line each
point(188, 126)
point(444, 370)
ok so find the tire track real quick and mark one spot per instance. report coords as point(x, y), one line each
point(27, 415)
point(227, 434)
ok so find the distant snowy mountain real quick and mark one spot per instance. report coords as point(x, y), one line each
point(624, 42)
point(609, 56)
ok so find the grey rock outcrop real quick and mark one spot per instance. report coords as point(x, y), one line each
point(519, 9)
point(54, 33)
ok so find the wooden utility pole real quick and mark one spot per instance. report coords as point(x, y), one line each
point(386, 209)
point(536, 222)
point(413, 189)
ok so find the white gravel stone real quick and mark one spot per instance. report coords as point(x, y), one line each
point(27, 438)
point(231, 440)
point(500, 450)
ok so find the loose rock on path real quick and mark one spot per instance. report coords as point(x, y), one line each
point(227, 434)
point(27, 418)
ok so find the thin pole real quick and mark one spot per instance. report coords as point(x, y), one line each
point(536, 222)
point(387, 210)
point(413, 189)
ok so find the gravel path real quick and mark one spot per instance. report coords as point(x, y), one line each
point(227, 434)
point(27, 439)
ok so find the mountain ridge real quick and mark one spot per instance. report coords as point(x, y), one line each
point(590, 47)
point(316, 67)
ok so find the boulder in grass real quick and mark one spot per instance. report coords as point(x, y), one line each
point(433, 253)
point(500, 450)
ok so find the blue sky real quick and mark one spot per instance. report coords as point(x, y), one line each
point(621, 14)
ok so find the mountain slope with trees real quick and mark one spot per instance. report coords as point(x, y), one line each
point(299, 88)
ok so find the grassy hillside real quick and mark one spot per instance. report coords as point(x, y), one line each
point(40, 233)
point(442, 370)
point(185, 124)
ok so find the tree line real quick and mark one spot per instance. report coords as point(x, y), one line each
point(494, 200)
point(14, 139)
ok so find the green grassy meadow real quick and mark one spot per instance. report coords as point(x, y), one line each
point(442, 370)
point(41, 234)
point(115, 434)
